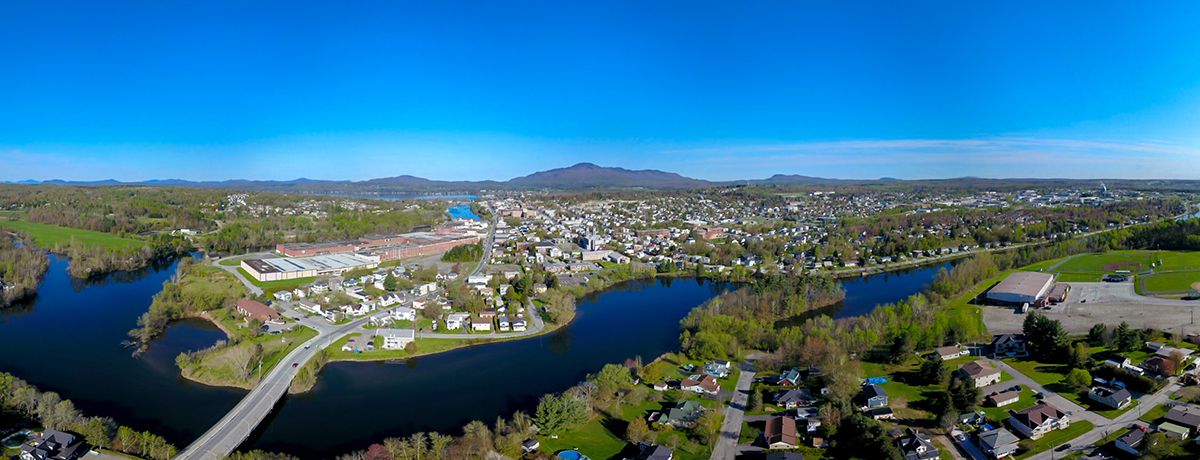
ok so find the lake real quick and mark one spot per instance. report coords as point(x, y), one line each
point(67, 339)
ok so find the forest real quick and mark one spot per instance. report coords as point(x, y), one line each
point(21, 269)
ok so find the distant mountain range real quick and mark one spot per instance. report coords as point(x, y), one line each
point(583, 176)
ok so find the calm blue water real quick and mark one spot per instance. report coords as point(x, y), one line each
point(462, 212)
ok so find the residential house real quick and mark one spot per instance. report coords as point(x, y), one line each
point(704, 384)
point(396, 339)
point(388, 299)
point(951, 352)
point(1154, 346)
point(683, 415)
point(917, 446)
point(1005, 398)
point(320, 287)
point(308, 305)
point(999, 443)
point(1159, 365)
point(981, 371)
point(455, 321)
point(1175, 431)
point(404, 314)
point(361, 309)
point(1038, 420)
point(1118, 361)
point(519, 325)
point(655, 452)
point(813, 424)
point(1166, 352)
point(481, 324)
point(531, 445)
point(1008, 345)
point(794, 397)
point(419, 304)
point(1185, 417)
point(780, 433)
point(1132, 441)
point(299, 293)
point(1111, 396)
point(790, 377)
point(256, 310)
point(718, 369)
point(488, 313)
point(426, 288)
point(972, 418)
point(53, 445)
point(503, 322)
point(283, 296)
point(875, 396)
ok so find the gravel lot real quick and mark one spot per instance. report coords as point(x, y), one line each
point(1108, 303)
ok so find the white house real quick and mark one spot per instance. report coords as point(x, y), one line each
point(396, 339)
point(283, 296)
point(309, 306)
point(477, 279)
point(455, 321)
point(361, 309)
point(1038, 420)
point(502, 321)
point(518, 325)
point(419, 304)
point(388, 299)
point(426, 288)
point(404, 314)
point(298, 293)
point(481, 324)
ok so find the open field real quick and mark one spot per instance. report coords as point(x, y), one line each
point(221, 367)
point(47, 236)
point(1177, 281)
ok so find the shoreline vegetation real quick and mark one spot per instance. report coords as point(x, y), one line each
point(21, 270)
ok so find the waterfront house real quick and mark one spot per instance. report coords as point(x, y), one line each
point(53, 445)
point(404, 314)
point(519, 325)
point(655, 452)
point(481, 324)
point(502, 322)
point(396, 339)
point(705, 384)
point(253, 309)
point(999, 443)
point(1038, 420)
point(718, 369)
point(455, 321)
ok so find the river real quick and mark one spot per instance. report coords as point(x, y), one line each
point(59, 339)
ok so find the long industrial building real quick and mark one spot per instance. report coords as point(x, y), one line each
point(1022, 287)
point(303, 267)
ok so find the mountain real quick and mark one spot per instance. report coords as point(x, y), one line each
point(795, 179)
point(590, 176)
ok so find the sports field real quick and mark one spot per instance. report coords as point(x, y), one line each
point(47, 236)
point(1178, 281)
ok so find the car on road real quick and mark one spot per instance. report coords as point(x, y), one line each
point(1083, 301)
point(1063, 447)
point(1040, 395)
point(295, 364)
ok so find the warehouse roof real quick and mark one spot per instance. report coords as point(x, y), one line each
point(1030, 284)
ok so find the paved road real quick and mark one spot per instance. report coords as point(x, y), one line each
point(731, 430)
point(487, 244)
point(255, 290)
point(224, 437)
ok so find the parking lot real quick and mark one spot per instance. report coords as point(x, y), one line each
point(1108, 303)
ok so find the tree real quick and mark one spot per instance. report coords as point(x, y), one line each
point(709, 426)
point(556, 413)
point(377, 452)
point(391, 284)
point(638, 431)
point(1125, 338)
point(963, 394)
point(1047, 340)
point(1099, 336)
point(755, 402)
point(99, 431)
point(610, 379)
point(653, 372)
point(1078, 379)
point(843, 378)
point(1177, 358)
point(933, 371)
point(1080, 357)
point(902, 347)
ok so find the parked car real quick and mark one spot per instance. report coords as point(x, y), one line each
point(1039, 395)
point(1016, 388)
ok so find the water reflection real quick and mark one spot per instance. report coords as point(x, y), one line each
point(133, 276)
point(560, 340)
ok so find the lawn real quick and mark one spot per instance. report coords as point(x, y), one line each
point(276, 284)
point(904, 398)
point(591, 439)
point(1094, 263)
point(1078, 277)
point(1045, 374)
point(1000, 414)
point(47, 236)
point(1058, 438)
point(231, 262)
point(729, 383)
point(1171, 281)
point(1154, 414)
point(219, 367)
point(749, 434)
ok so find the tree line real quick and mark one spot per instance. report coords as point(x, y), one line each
point(52, 411)
point(21, 269)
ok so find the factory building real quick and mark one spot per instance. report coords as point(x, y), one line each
point(304, 267)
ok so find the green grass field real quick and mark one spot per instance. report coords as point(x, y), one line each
point(1181, 281)
point(1155, 413)
point(1058, 438)
point(47, 236)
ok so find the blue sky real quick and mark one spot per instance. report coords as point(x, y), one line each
point(494, 90)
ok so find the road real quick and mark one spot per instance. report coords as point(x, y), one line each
point(731, 430)
point(487, 243)
point(224, 437)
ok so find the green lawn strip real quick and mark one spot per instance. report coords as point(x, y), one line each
point(903, 397)
point(47, 236)
point(1058, 437)
point(1078, 277)
point(1094, 263)
point(276, 284)
point(1044, 374)
point(1081, 398)
point(592, 439)
point(293, 338)
point(749, 434)
point(424, 347)
point(231, 262)
point(729, 383)
point(962, 306)
point(1155, 413)
point(1172, 281)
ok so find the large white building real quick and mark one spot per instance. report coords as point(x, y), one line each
point(280, 268)
point(1022, 287)
point(396, 339)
